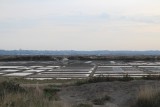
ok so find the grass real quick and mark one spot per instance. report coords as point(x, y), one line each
point(13, 95)
point(148, 97)
point(9, 87)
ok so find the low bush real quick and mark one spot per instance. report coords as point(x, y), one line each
point(83, 105)
point(51, 93)
point(103, 79)
point(101, 101)
point(151, 77)
point(126, 78)
point(9, 87)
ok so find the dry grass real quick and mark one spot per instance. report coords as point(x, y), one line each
point(12, 95)
point(147, 92)
point(148, 97)
point(32, 99)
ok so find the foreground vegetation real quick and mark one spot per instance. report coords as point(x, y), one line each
point(12, 94)
point(148, 97)
point(125, 78)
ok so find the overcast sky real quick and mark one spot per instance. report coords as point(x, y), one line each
point(80, 24)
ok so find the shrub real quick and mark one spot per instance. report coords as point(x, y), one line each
point(101, 101)
point(126, 78)
point(9, 87)
point(151, 77)
point(83, 105)
point(51, 93)
point(103, 79)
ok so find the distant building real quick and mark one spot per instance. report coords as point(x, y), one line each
point(65, 61)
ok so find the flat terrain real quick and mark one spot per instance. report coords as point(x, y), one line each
point(65, 75)
point(77, 69)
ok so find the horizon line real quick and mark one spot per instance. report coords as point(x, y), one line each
point(69, 50)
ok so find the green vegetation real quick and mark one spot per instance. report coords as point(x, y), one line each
point(51, 93)
point(103, 79)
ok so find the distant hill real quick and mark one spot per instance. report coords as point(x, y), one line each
point(72, 52)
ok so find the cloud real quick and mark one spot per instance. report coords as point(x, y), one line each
point(141, 19)
point(79, 24)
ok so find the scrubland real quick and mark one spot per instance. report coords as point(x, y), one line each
point(95, 92)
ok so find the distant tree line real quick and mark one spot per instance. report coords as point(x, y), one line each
point(84, 58)
point(109, 58)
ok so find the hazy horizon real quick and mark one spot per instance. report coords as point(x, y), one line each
point(73, 50)
point(80, 25)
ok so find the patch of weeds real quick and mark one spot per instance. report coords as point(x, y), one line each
point(152, 102)
point(81, 82)
point(99, 79)
point(103, 79)
point(13, 95)
point(149, 97)
point(101, 101)
point(126, 78)
point(10, 87)
point(150, 77)
point(51, 93)
point(55, 86)
point(83, 105)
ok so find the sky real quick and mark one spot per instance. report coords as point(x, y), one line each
point(80, 24)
